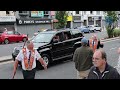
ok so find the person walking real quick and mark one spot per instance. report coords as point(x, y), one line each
point(95, 43)
point(83, 59)
point(28, 56)
point(101, 69)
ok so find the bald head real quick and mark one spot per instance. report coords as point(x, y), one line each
point(29, 45)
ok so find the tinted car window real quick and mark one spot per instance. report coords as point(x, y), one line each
point(76, 33)
point(59, 36)
point(67, 35)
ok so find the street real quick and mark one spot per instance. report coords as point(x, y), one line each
point(61, 70)
point(9, 47)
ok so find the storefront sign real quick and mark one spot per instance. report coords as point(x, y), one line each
point(69, 18)
point(37, 13)
point(7, 19)
point(33, 21)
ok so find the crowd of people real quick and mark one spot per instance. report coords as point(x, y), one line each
point(91, 61)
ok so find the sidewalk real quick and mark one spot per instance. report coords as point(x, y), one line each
point(9, 58)
point(5, 58)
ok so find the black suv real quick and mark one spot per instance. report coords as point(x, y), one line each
point(55, 44)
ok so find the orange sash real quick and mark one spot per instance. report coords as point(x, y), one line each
point(91, 45)
point(28, 65)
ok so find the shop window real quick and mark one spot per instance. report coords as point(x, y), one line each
point(77, 12)
point(84, 12)
point(46, 13)
point(22, 11)
point(7, 12)
point(98, 12)
point(91, 12)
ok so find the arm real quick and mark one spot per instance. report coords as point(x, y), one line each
point(18, 58)
point(40, 59)
point(15, 68)
point(75, 55)
point(43, 63)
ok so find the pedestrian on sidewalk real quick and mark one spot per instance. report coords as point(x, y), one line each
point(28, 56)
point(118, 63)
point(83, 59)
point(101, 69)
point(95, 43)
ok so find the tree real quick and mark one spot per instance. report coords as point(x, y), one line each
point(111, 20)
point(61, 16)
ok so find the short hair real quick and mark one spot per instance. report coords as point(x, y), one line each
point(28, 42)
point(103, 53)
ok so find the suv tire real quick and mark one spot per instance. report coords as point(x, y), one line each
point(47, 59)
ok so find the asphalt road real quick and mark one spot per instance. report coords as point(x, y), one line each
point(63, 70)
point(6, 50)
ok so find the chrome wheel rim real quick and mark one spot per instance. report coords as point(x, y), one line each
point(46, 60)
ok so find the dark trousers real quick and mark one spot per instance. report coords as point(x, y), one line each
point(29, 74)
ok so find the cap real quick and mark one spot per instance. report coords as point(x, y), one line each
point(84, 40)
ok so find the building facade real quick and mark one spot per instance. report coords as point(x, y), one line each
point(86, 18)
point(29, 22)
point(7, 20)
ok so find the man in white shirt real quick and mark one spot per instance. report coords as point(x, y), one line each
point(28, 56)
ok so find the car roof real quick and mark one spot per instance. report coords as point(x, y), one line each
point(58, 30)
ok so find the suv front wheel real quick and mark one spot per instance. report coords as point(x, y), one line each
point(47, 60)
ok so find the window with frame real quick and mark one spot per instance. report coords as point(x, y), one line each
point(67, 35)
point(22, 11)
point(84, 12)
point(76, 34)
point(58, 37)
point(77, 12)
point(7, 12)
point(98, 12)
point(10, 32)
point(91, 12)
point(46, 12)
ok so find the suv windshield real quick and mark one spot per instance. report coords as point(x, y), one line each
point(43, 38)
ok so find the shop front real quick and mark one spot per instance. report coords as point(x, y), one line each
point(32, 25)
point(7, 22)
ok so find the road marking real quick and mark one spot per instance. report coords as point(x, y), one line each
point(110, 41)
point(113, 48)
point(6, 62)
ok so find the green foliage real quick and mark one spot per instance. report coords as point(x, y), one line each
point(61, 16)
point(116, 32)
point(110, 27)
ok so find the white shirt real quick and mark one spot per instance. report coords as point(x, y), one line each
point(20, 57)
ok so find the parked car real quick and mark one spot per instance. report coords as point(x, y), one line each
point(95, 28)
point(84, 29)
point(12, 36)
point(54, 45)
